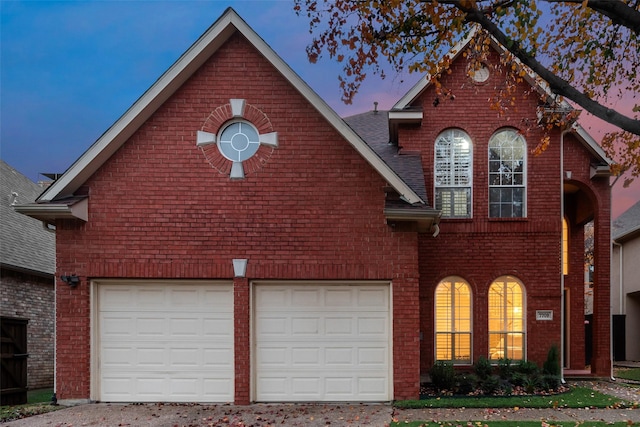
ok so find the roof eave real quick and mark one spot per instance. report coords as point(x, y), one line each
point(628, 235)
point(426, 220)
point(48, 212)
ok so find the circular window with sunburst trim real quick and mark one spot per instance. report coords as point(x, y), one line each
point(239, 141)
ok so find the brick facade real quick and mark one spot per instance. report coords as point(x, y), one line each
point(313, 209)
point(159, 210)
point(481, 249)
point(30, 297)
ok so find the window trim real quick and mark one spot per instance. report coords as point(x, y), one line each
point(453, 280)
point(449, 135)
point(524, 186)
point(503, 280)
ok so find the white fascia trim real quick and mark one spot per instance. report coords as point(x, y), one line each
point(591, 143)
point(406, 115)
point(79, 210)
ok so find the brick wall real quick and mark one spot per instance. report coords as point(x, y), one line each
point(159, 209)
point(32, 297)
point(481, 249)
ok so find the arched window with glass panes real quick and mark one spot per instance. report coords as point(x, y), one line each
point(507, 174)
point(453, 321)
point(507, 319)
point(453, 171)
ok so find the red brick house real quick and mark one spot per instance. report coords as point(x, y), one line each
point(235, 240)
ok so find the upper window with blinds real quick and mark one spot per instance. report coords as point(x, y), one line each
point(453, 171)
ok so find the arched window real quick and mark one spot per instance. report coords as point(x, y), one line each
point(507, 319)
point(453, 321)
point(453, 173)
point(507, 174)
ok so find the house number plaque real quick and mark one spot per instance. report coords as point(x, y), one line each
point(544, 314)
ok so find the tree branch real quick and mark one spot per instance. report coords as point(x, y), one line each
point(616, 10)
point(556, 84)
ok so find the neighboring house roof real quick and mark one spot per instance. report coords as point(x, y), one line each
point(627, 225)
point(228, 24)
point(25, 244)
point(532, 78)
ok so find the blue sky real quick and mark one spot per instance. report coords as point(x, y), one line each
point(70, 69)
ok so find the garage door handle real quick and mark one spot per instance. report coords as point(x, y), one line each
point(20, 355)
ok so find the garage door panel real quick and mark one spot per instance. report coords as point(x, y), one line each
point(373, 326)
point(339, 326)
point(339, 356)
point(171, 344)
point(323, 349)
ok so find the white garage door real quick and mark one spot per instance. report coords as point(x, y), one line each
point(322, 343)
point(165, 342)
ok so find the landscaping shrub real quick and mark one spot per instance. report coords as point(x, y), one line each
point(466, 383)
point(482, 368)
point(505, 369)
point(531, 383)
point(443, 376)
point(551, 366)
point(506, 388)
point(490, 385)
point(526, 367)
point(517, 379)
point(551, 382)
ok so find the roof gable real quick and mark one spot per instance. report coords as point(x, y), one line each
point(530, 77)
point(227, 25)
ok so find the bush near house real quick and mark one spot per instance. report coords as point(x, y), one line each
point(503, 379)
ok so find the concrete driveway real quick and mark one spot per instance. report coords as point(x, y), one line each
point(258, 415)
point(308, 415)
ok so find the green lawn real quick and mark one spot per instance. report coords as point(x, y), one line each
point(40, 395)
point(577, 397)
point(628, 374)
point(510, 424)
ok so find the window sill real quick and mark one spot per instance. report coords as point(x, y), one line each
point(456, 219)
point(509, 219)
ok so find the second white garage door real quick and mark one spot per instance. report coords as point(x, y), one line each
point(322, 342)
point(165, 342)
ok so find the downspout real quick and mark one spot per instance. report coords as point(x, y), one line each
point(54, 396)
point(620, 278)
point(620, 292)
point(562, 260)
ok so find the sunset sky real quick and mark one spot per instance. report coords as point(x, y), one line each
point(70, 69)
